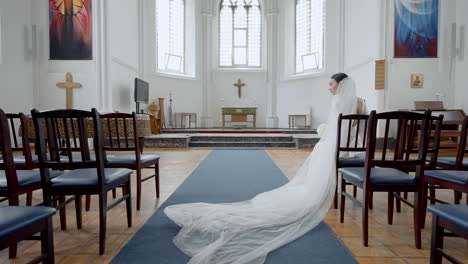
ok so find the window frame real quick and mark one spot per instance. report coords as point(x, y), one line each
point(314, 70)
point(184, 57)
point(233, 65)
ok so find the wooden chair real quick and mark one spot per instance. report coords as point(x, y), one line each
point(122, 136)
point(459, 162)
point(455, 179)
point(16, 123)
point(384, 174)
point(13, 182)
point(409, 146)
point(22, 223)
point(85, 175)
point(27, 161)
point(354, 142)
point(453, 218)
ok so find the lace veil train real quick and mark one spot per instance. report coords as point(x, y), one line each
point(245, 232)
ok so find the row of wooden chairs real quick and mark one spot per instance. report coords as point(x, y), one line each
point(408, 143)
point(68, 166)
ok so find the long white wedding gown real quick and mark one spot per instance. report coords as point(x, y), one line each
point(245, 232)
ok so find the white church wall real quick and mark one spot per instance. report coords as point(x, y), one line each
point(306, 94)
point(124, 53)
point(49, 72)
point(16, 71)
point(461, 75)
point(253, 94)
point(367, 34)
point(107, 79)
point(224, 93)
point(362, 47)
point(186, 94)
point(398, 93)
point(186, 90)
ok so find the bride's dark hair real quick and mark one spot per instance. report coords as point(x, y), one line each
point(338, 77)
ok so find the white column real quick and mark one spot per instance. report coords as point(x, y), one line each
point(105, 93)
point(207, 119)
point(272, 67)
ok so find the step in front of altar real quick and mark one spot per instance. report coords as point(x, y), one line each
point(240, 131)
point(242, 141)
point(231, 140)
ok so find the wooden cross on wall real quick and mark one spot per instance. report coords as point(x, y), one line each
point(239, 86)
point(69, 85)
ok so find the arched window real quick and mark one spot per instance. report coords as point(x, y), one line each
point(240, 28)
point(170, 27)
point(310, 20)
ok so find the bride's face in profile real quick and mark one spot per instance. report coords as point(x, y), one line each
point(333, 86)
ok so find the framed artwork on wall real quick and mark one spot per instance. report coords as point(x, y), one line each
point(417, 80)
point(70, 30)
point(416, 28)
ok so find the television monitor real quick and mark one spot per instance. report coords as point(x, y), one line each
point(141, 91)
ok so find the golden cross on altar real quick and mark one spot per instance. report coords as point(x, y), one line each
point(69, 85)
point(239, 85)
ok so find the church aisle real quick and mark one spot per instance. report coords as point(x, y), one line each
point(388, 244)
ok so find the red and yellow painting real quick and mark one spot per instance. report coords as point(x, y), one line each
point(71, 36)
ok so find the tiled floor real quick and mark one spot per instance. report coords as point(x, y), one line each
point(388, 244)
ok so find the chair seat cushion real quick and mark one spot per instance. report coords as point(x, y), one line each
point(453, 176)
point(378, 176)
point(26, 177)
point(14, 218)
point(351, 162)
point(88, 178)
point(450, 161)
point(456, 214)
point(130, 159)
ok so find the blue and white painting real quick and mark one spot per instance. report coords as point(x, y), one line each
point(416, 28)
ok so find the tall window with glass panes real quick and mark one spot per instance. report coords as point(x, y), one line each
point(240, 30)
point(310, 25)
point(170, 36)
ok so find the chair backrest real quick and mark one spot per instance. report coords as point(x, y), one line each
point(18, 124)
point(409, 140)
point(65, 132)
point(120, 132)
point(462, 149)
point(351, 136)
point(396, 121)
point(7, 164)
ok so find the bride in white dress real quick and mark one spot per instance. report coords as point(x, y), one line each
point(245, 232)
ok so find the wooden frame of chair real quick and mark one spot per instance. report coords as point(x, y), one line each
point(114, 142)
point(458, 188)
point(14, 190)
point(371, 162)
point(24, 148)
point(406, 148)
point(45, 228)
point(75, 139)
point(437, 241)
point(355, 146)
point(457, 195)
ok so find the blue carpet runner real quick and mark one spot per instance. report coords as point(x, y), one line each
point(229, 176)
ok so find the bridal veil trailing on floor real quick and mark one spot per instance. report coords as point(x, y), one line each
point(245, 232)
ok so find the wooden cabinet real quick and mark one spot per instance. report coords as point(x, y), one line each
point(451, 126)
